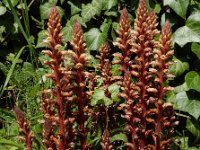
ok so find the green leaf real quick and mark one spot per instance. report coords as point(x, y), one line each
point(190, 32)
point(62, 1)
point(181, 88)
point(88, 11)
point(114, 90)
point(196, 49)
point(2, 10)
point(192, 79)
point(11, 58)
point(183, 103)
point(111, 3)
point(194, 128)
point(95, 38)
point(41, 37)
point(179, 6)
point(99, 98)
point(68, 29)
point(10, 142)
point(45, 10)
point(74, 8)
point(14, 3)
point(119, 137)
point(179, 67)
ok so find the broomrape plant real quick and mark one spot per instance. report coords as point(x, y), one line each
point(144, 69)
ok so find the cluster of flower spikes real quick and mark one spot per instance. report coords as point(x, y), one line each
point(150, 120)
point(69, 89)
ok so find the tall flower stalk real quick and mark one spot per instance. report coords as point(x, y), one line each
point(24, 129)
point(56, 102)
point(78, 56)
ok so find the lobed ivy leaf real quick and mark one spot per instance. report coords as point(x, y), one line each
point(74, 8)
point(99, 98)
point(196, 49)
point(88, 11)
point(183, 103)
point(114, 90)
point(45, 9)
point(192, 79)
point(179, 6)
point(194, 128)
point(95, 37)
point(179, 67)
point(68, 29)
point(190, 32)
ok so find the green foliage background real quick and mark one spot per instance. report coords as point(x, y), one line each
point(22, 31)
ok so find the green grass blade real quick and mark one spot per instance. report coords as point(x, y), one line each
point(11, 70)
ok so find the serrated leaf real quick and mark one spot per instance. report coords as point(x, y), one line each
point(45, 10)
point(114, 90)
point(194, 128)
point(179, 67)
point(99, 98)
point(196, 49)
point(190, 32)
point(192, 79)
point(183, 103)
point(119, 137)
point(74, 8)
point(179, 6)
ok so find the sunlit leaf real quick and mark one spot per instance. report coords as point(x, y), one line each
point(192, 79)
point(183, 103)
point(179, 6)
point(196, 49)
point(179, 67)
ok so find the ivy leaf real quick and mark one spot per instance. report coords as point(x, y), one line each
point(179, 67)
point(95, 37)
point(192, 79)
point(190, 32)
point(99, 98)
point(196, 49)
point(88, 11)
point(111, 3)
point(181, 88)
point(183, 103)
point(194, 128)
point(68, 29)
point(179, 6)
point(114, 90)
point(45, 9)
point(74, 8)
point(119, 137)
point(13, 2)
point(41, 37)
point(2, 10)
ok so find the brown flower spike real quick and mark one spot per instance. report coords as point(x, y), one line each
point(57, 102)
point(24, 128)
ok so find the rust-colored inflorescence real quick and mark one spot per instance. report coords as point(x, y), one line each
point(24, 128)
point(78, 56)
point(56, 102)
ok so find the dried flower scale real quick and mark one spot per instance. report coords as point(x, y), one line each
point(144, 70)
